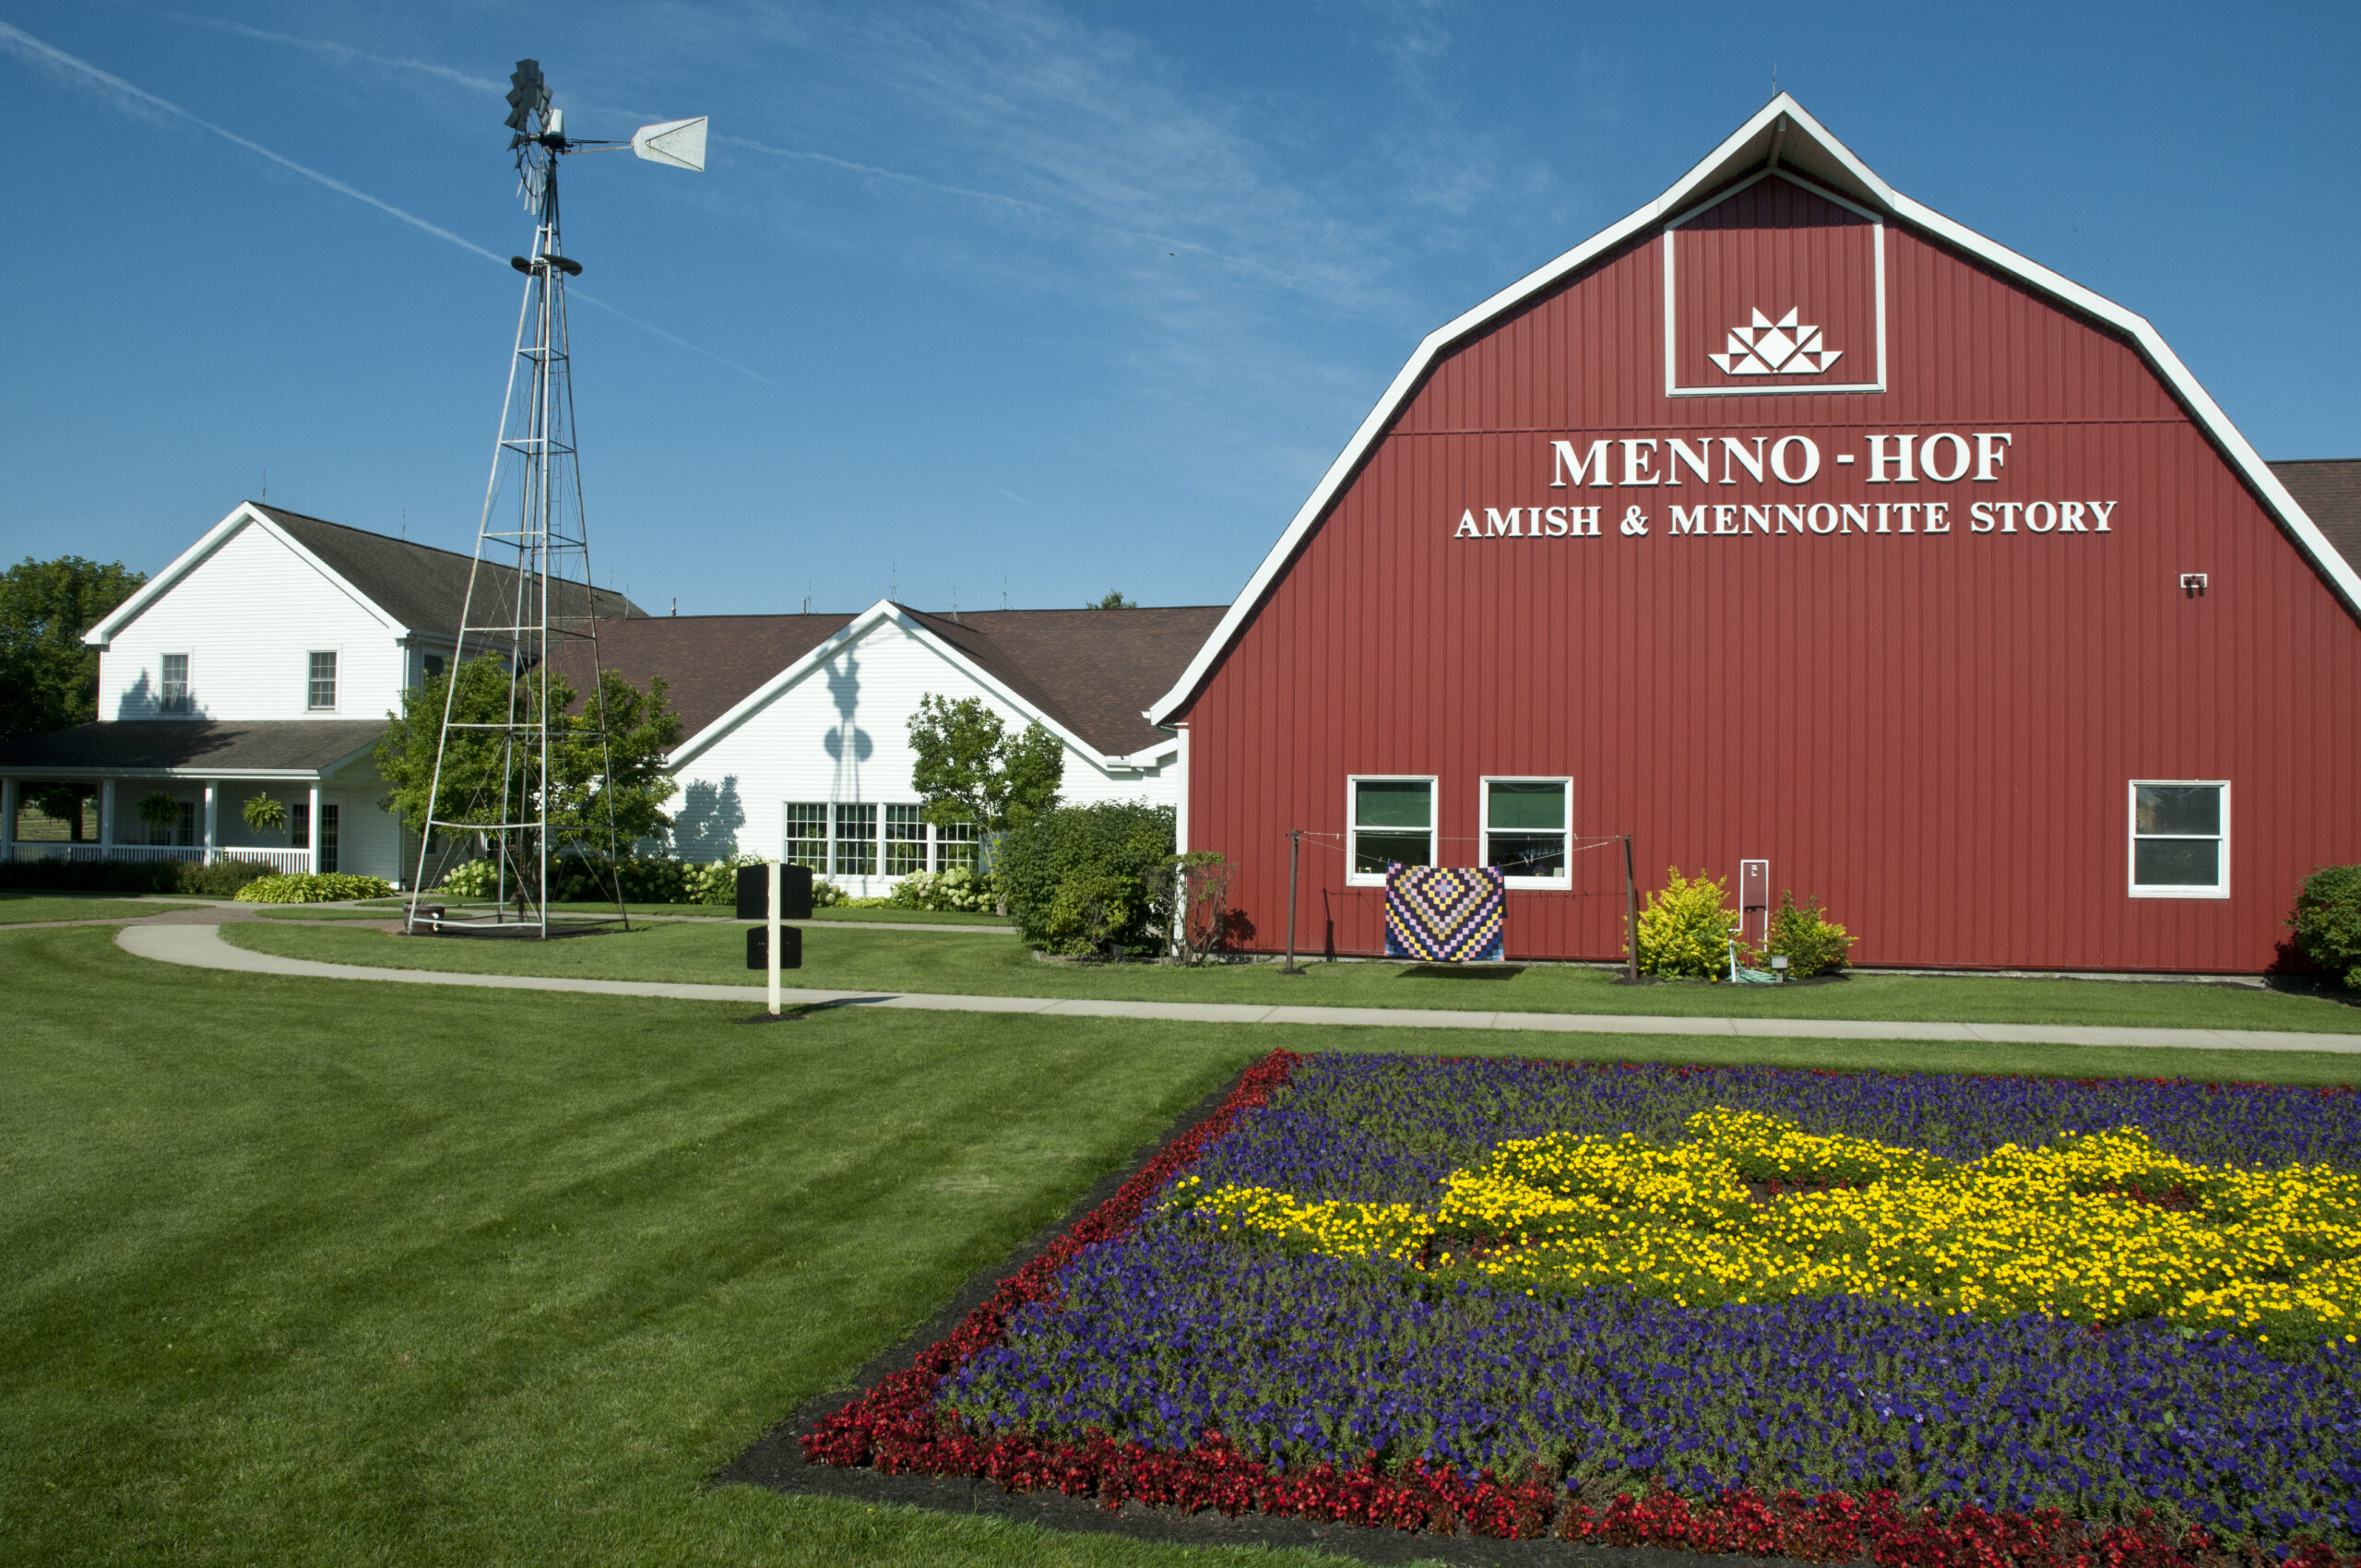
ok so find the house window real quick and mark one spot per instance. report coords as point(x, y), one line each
point(856, 841)
point(1524, 830)
point(807, 835)
point(299, 825)
point(186, 835)
point(327, 836)
point(171, 688)
point(323, 683)
point(1393, 819)
point(956, 844)
point(905, 840)
point(2180, 839)
point(434, 665)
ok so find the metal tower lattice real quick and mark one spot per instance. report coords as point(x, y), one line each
point(510, 764)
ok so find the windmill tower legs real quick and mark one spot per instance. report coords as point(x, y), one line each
point(518, 769)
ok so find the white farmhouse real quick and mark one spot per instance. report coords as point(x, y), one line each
point(798, 726)
point(269, 656)
point(264, 659)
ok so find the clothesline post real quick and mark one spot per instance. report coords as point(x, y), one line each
point(1631, 916)
point(1294, 857)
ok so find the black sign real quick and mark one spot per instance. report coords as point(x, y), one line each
point(758, 947)
point(794, 893)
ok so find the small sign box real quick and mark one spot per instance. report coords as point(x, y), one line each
point(794, 893)
point(758, 949)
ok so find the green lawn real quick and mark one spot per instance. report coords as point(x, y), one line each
point(885, 960)
point(314, 912)
point(317, 1272)
point(16, 908)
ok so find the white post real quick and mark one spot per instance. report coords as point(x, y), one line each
point(312, 833)
point(212, 820)
point(106, 815)
point(8, 821)
point(770, 873)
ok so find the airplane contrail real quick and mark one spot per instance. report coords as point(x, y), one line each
point(77, 69)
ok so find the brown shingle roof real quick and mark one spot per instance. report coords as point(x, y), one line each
point(418, 585)
point(708, 661)
point(1092, 671)
point(2329, 489)
point(194, 745)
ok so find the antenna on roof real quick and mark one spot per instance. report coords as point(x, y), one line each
point(531, 599)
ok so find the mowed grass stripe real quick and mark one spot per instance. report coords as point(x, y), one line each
point(982, 965)
point(319, 1272)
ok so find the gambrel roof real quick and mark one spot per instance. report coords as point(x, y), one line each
point(1783, 134)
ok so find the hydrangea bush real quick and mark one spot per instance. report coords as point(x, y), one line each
point(313, 887)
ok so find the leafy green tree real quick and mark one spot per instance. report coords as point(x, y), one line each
point(481, 766)
point(48, 678)
point(1114, 600)
point(971, 769)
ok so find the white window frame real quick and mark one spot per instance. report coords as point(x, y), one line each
point(788, 840)
point(187, 703)
point(1483, 826)
point(1353, 782)
point(2221, 887)
point(336, 681)
point(887, 837)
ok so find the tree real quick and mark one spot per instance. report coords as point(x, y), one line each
point(480, 768)
point(1114, 600)
point(971, 769)
point(48, 678)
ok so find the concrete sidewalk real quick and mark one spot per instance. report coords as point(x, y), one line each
point(200, 946)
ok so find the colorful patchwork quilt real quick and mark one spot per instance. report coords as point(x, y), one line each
point(1441, 915)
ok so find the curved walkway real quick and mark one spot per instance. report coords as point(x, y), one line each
point(200, 946)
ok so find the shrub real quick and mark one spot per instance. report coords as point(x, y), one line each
point(955, 888)
point(1090, 878)
point(222, 879)
point(469, 879)
point(1812, 943)
point(713, 882)
point(2327, 921)
point(1685, 930)
point(313, 887)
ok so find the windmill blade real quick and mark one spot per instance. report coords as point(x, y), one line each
point(679, 142)
point(527, 94)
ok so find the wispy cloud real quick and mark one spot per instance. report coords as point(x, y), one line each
point(81, 73)
point(138, 100)
point(344, 53)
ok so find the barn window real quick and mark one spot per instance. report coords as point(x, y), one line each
point(323, 683)
point(2180, 838)
point(905, 840)
point(807, 835)
point(1524, 830)
point(856, 841)
point(1393, 819)
point(172, 690)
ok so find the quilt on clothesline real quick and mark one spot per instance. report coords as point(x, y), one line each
point(1445, 915)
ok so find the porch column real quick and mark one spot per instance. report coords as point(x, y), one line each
point(8, 820)
point(106, 815)
point(212, 820)
point(312, 837)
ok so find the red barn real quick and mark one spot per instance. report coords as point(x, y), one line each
point(1787, 519)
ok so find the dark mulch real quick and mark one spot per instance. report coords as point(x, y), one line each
point(775, 1461)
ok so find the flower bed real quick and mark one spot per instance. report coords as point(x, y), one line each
point(1924, 1319)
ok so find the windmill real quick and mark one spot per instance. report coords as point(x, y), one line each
point(520, 782)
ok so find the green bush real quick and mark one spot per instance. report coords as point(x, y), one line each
point(470, 879)
point(2327, 921)
point(313, 887)
point(221, 880)
point(713, 882)
point(1811, 942)
point(1083, 879)
point(1685, 930)
point(957, 888)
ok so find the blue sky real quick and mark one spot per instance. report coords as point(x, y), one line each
point(1031, 298)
